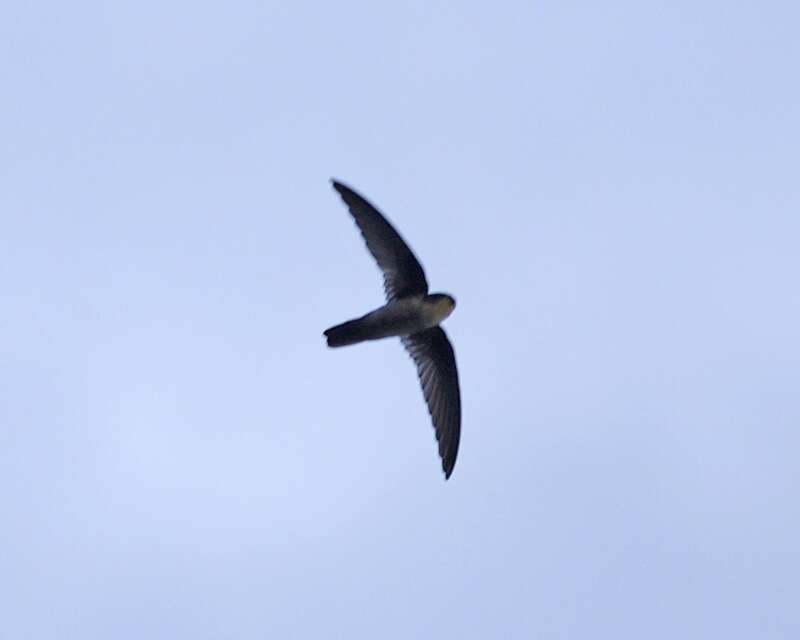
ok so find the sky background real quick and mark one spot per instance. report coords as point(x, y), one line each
point(610, 190)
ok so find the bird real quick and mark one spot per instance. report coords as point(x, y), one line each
point(413, 315)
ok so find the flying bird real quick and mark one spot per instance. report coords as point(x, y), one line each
point(413, 315)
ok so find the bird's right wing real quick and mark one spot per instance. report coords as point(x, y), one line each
point(436, 367)
point(402, 272)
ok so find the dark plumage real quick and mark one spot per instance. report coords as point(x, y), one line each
point(413, 315)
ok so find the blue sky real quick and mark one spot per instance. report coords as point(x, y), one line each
point(610, 190)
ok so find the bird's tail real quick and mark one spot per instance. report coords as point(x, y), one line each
point(350, 332)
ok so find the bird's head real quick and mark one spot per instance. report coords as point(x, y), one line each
point(443, 303)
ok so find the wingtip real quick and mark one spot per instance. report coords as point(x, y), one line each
point(344, 190)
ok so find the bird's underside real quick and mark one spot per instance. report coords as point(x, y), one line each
point(411, 314)
point(398, 318)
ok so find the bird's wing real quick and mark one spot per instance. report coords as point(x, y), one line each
point(436, 367)
point(402, 272)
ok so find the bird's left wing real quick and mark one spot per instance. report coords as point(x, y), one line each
point(402, 272)
point(436, 367)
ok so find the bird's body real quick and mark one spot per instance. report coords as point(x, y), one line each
point(413, 315)
point(396, 318)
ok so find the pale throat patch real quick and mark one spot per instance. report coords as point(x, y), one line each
point(441, 309)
